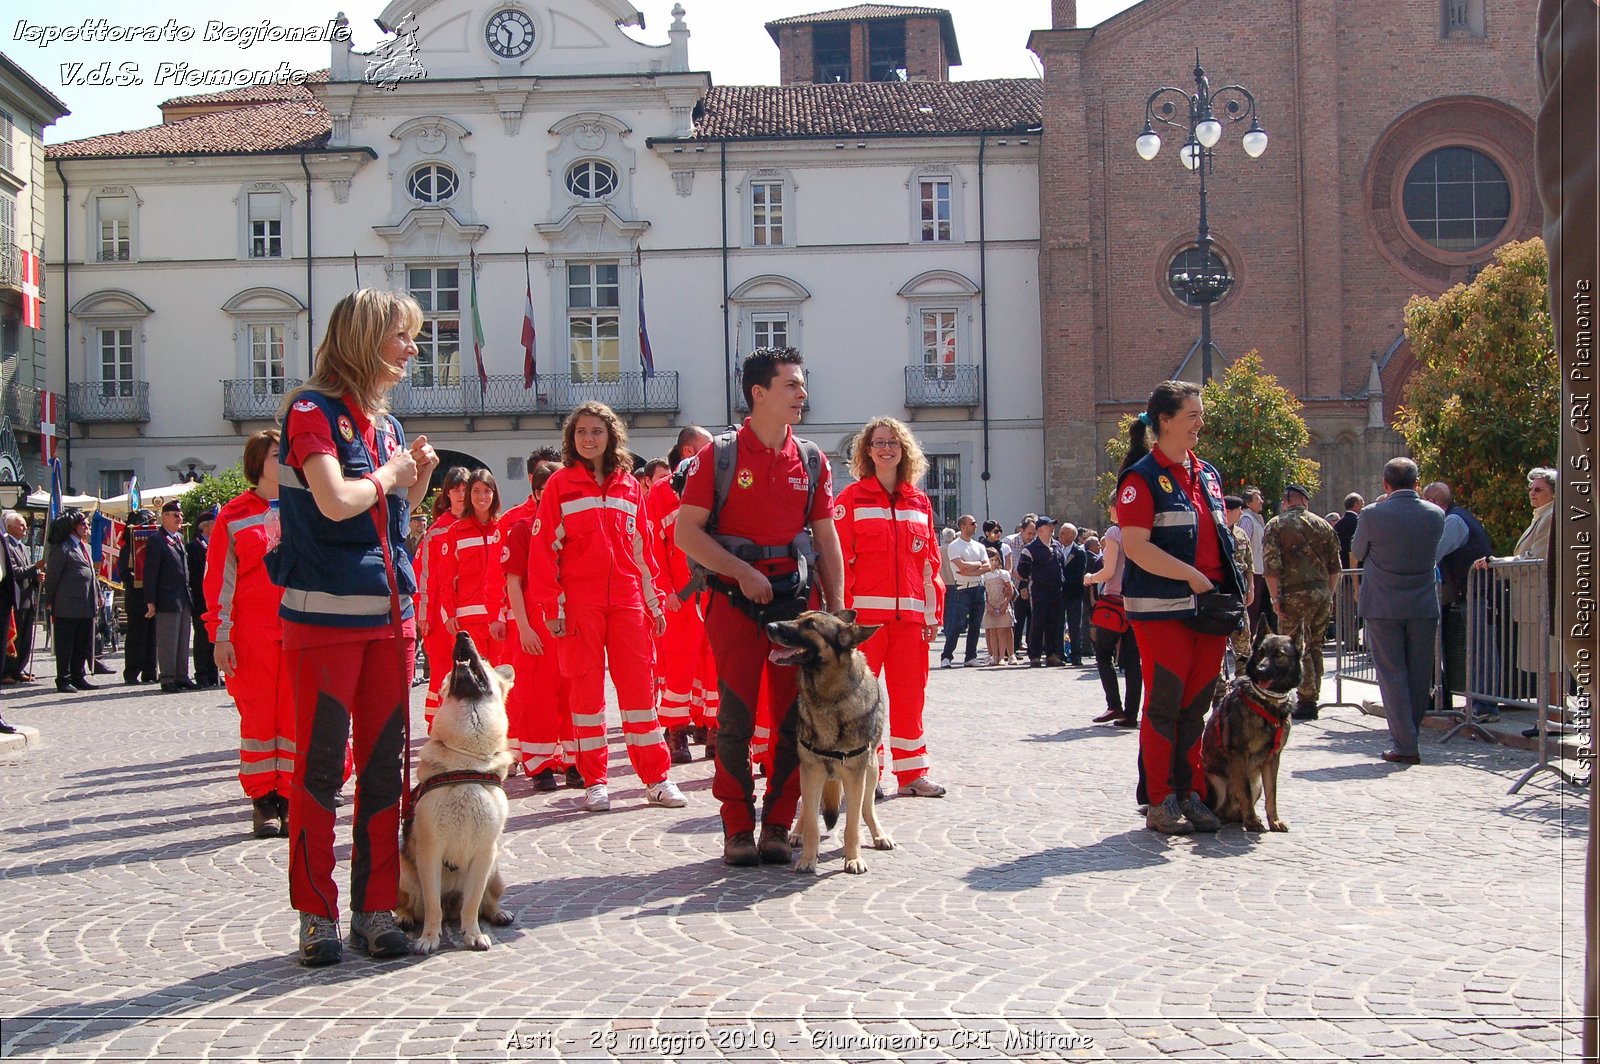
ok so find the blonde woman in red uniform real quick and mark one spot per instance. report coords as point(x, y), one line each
point(472, 586)
point(590, 554)
point(891, 578)
point(448, 506)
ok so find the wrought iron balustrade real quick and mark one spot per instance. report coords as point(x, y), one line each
point(255, 399)
point(942, 385)
point(20, 403)
point(110, 401)
point(553, 395)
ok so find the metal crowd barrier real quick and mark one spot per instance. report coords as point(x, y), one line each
point(1352, 659)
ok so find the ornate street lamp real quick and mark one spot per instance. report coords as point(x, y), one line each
point(1200, 116)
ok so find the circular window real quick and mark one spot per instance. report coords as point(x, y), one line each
point(592, 180)
point(1457, 199)
point(433, 183)
point(1190, 273)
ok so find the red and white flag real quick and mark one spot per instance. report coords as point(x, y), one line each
point(32, 300)
point(47, 426)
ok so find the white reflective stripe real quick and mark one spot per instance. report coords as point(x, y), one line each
point(589, 720)
point(591, 742)
point(472, 611)
point(1157, 605)
point(905, 764)
point(1173, 518)
point(880, 602)
point(762, 732)
point(653, 737)
point(258, 746)
point(539, 749)
point(868, 513)
point(670, 520)
point(673, 714)
point(638, 716)
point(568, 746)
point(469, 541)
point(900, 742)
point(342, 605)
point(915, 517)
point(595, 502)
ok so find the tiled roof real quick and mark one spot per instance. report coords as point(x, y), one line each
point(733, 112)
point(299, 123)
point(252, 93)
point(857, 13)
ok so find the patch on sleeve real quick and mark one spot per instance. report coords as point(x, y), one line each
point(347, 431)
point(1129, 494)
point(535, 529)
point(304, 406)
point(838, 512)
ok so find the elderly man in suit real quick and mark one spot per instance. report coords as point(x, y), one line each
point(166, 590)
point(1394, 543)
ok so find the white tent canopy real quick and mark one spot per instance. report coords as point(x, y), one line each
point(149, 498)
point(40, 500)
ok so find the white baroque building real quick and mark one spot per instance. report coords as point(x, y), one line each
point(889, 230)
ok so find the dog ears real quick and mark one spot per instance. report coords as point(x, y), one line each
point(859, 634)
point(506, 673)
point(847, 616)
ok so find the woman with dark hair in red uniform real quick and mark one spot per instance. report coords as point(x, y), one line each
point(472, 586)
point(448, 505)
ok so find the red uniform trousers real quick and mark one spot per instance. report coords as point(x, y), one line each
point(620, 636)
point(342, 691)
point(440, 646)
point(687, 670)
point(743, 671)
point(900, 649)
point(260, 688)
point(540, 709)
point(1181, 667)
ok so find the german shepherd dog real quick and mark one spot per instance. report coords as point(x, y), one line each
point(1244, 739)
point(448, 859)
point(841, 718)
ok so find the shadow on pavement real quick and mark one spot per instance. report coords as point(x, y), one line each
point(1131, 849)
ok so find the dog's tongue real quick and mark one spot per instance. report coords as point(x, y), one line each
point(781, 655)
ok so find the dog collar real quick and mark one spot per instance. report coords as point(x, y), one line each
point(1280, 725)
point(835, 755)
point(447, 779)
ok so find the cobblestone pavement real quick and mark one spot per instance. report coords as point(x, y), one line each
point(1410, 914)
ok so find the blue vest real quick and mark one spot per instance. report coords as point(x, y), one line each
point(1148, 597)
point(332, 572)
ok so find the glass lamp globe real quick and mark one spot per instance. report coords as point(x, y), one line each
point(1208, 132)
point(1148, 144)
point(1190, 155)
point(1255, 140)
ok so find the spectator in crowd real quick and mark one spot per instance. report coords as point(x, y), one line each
point(1302, 567)
point(1072, 594)
point(1345, 526)
point(992, 540)
point(1169, 503)
point(166, 598)
point(71, 595)
point(1020, 607)
point(1464, 541)
point(1239, 641)
point(1254, 523)
point(449, 503)
point(1394, 545)
point(1528, 610)
point(654, 470)
point(964, 608)
point(20, 592)
point(205, 662)
point(1041, 572)
point(1114, 643)
point(998, 593)
point(139, 647)
point(419, 528)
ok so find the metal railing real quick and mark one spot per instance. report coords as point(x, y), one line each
point(255, 399)
point(110, 401)
point(928, 386)
point(551, 396)
point(10, 266)
point(20, 403)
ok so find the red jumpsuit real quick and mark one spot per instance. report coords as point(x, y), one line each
point(891, 577)
point(589, 552)
point(471, 585)
point(438, 644)
point(687, 672)
point(539, 704)
point(245, 613)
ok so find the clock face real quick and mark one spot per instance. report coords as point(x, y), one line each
point(509, 33)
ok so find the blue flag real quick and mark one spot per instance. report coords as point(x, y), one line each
point(55, 489)
point(646, 357)
point(133, 493)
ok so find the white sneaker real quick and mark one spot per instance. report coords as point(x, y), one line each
point(666, 794)
point(597, 799)
point(1373, 709)
point(921, 787)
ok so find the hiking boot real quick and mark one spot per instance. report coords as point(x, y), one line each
point(319, 941)
point(1053, 661)
point(281, 808)
point(678, 743)
point(1196, 813)
point(263, 813)
point(739, 850)
point(377, 935)
point(1167, 818)
point(544, 780)
point(921, 787)
point(597, 799)
point(1305, 709)
point(574, 777)
point(711, 743)
point(665, 794)
point(774, 845)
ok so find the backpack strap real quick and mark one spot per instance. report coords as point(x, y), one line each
point(813, 459)
point(724, 451)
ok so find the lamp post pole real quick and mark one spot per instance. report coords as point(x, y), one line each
point(1197, 114)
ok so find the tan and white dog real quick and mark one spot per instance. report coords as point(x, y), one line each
point(449, 857)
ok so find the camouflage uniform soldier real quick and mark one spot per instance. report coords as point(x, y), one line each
point(1301, 552)
point(1239, 642)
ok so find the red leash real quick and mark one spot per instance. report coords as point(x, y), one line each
point(380, 517)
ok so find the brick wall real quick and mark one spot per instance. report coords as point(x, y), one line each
point(860, 65)
point(925, 58)
point(796, 60)
point(1064, 14)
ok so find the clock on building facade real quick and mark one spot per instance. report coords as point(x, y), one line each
point(509, 33)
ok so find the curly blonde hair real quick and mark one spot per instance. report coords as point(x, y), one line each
point(913, 463)
point(616, 455)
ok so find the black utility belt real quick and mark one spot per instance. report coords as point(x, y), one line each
point(790, 596)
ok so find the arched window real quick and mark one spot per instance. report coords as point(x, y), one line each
point(1457, 199)
point(432, 184)
point(592, 179)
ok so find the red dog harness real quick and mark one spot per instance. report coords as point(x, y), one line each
point(1280, 726)
point(447, 779)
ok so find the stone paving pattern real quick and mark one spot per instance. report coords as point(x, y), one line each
point(1409, 914)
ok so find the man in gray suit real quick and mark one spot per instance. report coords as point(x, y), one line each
point(1394, 544)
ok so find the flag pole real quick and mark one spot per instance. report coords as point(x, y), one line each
point(355, 264)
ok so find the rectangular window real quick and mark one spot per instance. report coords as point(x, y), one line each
point(8, 131)
point(830, 54)
point(766, 212)
point(266, 225)
point(10, 260)
point(266, 359)
point(939, 351)
point(944, 488)
point(934, 199)
point(114, 482)
point(115, 233)
point(116, 363)
point(437, 289)
point(594, 322)
point(769, 330)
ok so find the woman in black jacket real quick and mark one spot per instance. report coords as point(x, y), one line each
point(71, 594)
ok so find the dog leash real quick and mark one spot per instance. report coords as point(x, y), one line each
point(835, 755)
point(380, 517)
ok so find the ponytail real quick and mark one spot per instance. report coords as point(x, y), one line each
point(1137, 447)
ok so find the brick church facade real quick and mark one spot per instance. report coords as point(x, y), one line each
point(1373, 107)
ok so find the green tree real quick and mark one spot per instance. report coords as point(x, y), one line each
point(215, 490)
point(1484, 404)
point(1253, 434)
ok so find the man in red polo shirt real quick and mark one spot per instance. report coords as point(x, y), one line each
point(766, 505)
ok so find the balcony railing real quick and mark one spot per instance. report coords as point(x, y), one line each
point(10, 267)
point(255, 400)
point(942, 386)
point(20, 403)
point(110, 401)
point(553, 396)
